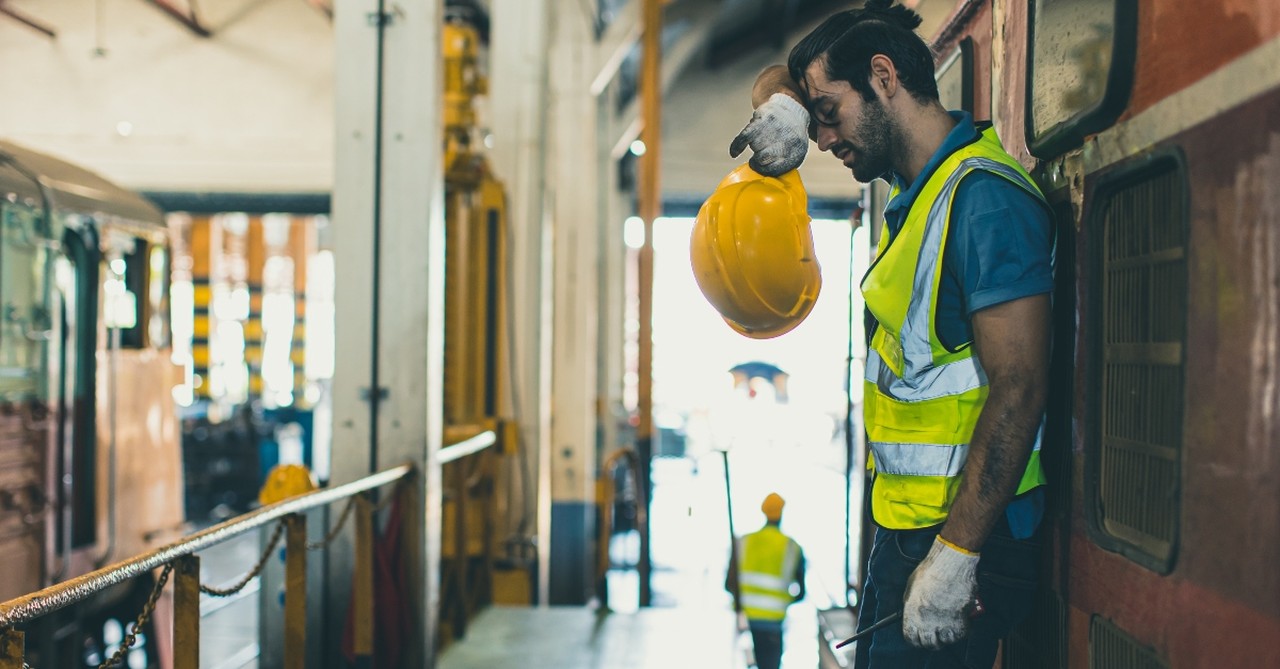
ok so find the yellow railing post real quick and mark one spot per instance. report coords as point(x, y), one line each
point(11, 649)
point(295, 592)
point(186, 612)
point(362, 595)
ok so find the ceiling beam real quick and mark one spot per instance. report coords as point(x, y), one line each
point(613, 46)
point(324, 6)
point(187, 18)
point(675, 59)
point(25, 20)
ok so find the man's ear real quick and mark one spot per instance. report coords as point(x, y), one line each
point(884, 76)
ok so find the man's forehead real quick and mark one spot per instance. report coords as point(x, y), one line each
point(816, 84)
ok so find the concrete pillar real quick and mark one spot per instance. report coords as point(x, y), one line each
point(519, 93)
point(574, 184)
point(389, 262)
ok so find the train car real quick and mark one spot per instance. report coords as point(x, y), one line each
point(1154, 129)
point(90, 462)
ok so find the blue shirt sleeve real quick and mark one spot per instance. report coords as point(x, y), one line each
point(1000, 243)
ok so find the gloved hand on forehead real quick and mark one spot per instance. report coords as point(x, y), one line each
point(778, 135)
point(941, 596)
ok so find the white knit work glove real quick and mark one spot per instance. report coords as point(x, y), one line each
point(941, 596)
point(778, 134)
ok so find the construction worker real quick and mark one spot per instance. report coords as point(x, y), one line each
point(766, 574)
point(957, 366)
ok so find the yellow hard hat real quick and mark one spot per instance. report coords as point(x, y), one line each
point(752, 253)
point(772, 507)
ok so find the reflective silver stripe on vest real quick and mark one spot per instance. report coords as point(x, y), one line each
point(764, 602)
point(917, 355)
point(765, 581)
point(952, 378)
point(919, 459)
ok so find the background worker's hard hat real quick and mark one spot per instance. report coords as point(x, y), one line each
point(752, 253)
point(772, 507)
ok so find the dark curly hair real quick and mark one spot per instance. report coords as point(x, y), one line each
point(850, 38)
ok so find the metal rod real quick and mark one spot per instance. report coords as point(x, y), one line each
point(467, 447)
point(295, 592)
point(650, 205)
point(877, 625)
point(191, 21)
point(186, 613)
point(52, 598)
point(733, 537)
point(26, 20)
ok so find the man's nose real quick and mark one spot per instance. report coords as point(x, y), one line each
point(826, 137)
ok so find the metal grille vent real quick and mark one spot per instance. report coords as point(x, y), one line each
point(1039, 642)
point(1111, 648)
point(1143, 325)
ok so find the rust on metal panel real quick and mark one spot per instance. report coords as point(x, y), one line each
point(1167, 60)
point(1232, 475)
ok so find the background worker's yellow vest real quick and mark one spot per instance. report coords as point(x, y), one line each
point(766, 569)
point(922, 401)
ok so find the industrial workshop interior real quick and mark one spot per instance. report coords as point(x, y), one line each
point(410, 334)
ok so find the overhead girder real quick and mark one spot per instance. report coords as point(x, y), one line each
point(189, 18)
point(325, 7)
point(25, 20)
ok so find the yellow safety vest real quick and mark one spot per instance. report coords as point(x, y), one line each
point(921, 400)
point(766, 569)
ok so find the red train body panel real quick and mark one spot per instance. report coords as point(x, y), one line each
point(1203, 98)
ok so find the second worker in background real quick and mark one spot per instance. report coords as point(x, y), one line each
point(766, 575)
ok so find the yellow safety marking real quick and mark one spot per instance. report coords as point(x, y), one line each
point(186, 612)
point(362, 596)
point(11, 650)
point(295, 593)
point(200, 326)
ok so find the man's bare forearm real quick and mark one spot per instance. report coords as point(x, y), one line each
point(1012, 342)
point(774, 79)
point(998, 454)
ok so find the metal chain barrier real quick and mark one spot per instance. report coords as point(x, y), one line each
point(147, 610)
point(333, 534)
point(257, 568)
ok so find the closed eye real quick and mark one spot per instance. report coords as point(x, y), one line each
point(825, 115)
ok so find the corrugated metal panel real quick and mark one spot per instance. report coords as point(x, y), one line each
point(1040, 641)
point(1111, 648)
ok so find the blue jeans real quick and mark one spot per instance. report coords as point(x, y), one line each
point(766, 640)
point(1007, 575)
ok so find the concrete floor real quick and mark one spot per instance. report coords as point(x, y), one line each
point(578, 638)
point(229, 625)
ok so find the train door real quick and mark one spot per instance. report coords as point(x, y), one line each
point(76, 277)
point(137, 440)
point(26, 394)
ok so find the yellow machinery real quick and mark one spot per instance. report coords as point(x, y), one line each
point(473, 574)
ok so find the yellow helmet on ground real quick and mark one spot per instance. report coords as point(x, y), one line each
point(285, 481)
point(752, 253)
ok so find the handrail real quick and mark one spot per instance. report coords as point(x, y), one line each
point(54, 597)
point(467, 446)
